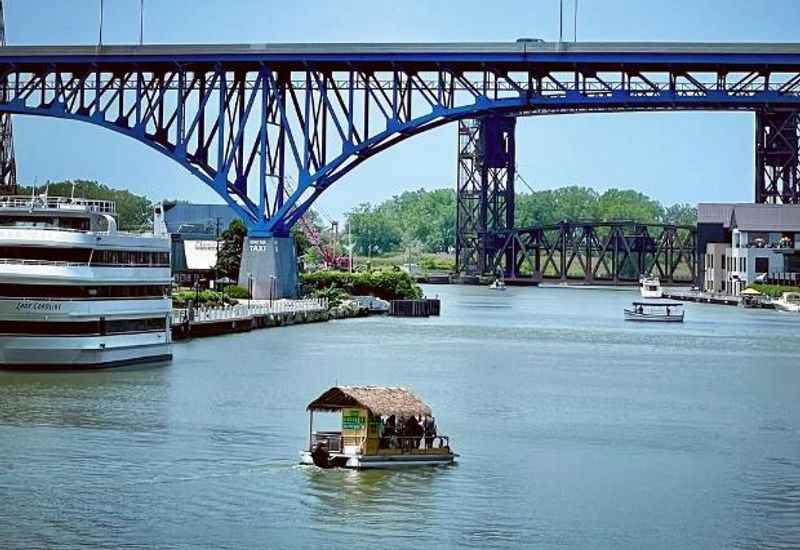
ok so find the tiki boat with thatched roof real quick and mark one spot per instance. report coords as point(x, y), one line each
point(381, 427)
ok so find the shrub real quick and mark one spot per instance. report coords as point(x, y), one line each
point(236, 292)
point(182, 298)
point(773, 291)
point(389, 285)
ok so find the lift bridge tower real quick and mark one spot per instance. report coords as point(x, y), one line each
point(485, 189)
point(8, 164)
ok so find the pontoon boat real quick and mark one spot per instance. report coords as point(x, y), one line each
point(381, 427)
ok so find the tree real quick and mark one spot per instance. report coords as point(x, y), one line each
point(133, 211)
point(230, 250)
point(681, 214)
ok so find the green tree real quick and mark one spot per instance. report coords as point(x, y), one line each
point(230, 250)
point(681, 214)
point(619, 204)
point(133, 211)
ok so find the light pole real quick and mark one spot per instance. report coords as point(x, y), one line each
point(249, 289)
point(273, 286)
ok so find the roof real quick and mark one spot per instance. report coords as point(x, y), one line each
point(715, 213)
point(766, 217)
point(380, 400)
point(750, 292)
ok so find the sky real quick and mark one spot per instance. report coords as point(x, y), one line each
point(672, 157)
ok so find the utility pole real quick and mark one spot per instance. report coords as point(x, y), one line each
point(350, 243)
point(100, 39)
point(141, 22)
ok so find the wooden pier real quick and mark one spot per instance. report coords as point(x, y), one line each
point(702, 297)
point(415, 308)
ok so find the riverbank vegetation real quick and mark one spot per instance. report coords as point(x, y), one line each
point(385, 284)
point(424, 221)
point(774, 291)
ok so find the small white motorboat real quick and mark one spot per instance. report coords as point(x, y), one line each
point(498, 284)
point(660, 312)
point(650, 287)
point(789, 301)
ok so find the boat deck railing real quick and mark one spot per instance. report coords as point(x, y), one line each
point(336, 442)
point(58, 203)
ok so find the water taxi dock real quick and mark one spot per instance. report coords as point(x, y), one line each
point(213, 321)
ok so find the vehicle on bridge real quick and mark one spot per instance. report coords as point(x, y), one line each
point(382, 427)
point(74, 291)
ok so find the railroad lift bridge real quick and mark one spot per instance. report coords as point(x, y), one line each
point(244, 118)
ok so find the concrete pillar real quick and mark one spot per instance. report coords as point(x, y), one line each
point(269, 267)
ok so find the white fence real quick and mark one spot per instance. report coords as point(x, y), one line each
point(244, 311)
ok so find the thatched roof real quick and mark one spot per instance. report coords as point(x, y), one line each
point(380, 400)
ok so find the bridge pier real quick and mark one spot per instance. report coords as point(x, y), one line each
point(777, 157)
point(269, 267)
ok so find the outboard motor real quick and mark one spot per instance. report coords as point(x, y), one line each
point(321, 456)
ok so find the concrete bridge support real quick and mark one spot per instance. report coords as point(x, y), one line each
point(269, 267)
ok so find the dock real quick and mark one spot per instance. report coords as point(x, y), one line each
point(702, 297)
point(424, 307)
point(213, 321)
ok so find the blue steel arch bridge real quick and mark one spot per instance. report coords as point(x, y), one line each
point(245, 118)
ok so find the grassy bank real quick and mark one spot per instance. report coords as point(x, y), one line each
point(774, 291)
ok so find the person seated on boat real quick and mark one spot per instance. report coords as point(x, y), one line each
point(639, 309)
point(429, 426)
point(413, 433)
point(389, 434)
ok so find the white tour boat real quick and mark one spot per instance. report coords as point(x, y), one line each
point(650, 287)
point(789, 301)
point(74, 291)
point(381, 427)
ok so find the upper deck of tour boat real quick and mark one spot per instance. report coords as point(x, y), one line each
point(381, 427)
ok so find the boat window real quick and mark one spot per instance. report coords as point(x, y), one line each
point(154, 324)
point(47, 222)
point(85, 292)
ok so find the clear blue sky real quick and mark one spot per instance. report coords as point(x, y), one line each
point(670, 156)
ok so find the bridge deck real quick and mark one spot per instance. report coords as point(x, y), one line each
point(655, 54)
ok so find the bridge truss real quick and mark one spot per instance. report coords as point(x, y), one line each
point(594, 252)
point(244, 118)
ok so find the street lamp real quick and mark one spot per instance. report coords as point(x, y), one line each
point(273, 286)
point(249, 289)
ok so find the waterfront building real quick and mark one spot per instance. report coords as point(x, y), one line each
point(740, 244)
point(194, 231)
point(74, 291)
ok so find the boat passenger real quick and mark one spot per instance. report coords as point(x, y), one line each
point(413, 432)
point(639, 309)
point(389, 434)
point(429, 425)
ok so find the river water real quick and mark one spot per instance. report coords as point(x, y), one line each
point(575, 429)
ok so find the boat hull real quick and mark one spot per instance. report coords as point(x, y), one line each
point(32, 353)
point(384, 462)
point(647, 318)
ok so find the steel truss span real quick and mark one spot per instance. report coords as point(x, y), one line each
point(245, 118)
point(594, 252)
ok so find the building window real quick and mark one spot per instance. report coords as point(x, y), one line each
point(762, 265)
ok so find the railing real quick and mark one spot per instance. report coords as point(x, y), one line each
point(65, 203)
point(336, 441)
point(245, 311)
